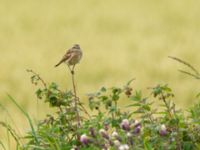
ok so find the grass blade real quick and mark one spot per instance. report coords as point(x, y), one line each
point(186, 64)
point(26, 115)
point(2, 145)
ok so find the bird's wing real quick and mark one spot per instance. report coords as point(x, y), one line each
point(65, 57)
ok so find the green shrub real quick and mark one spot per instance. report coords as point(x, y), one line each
point(147, 122)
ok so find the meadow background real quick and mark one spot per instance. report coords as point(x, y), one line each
point(120, 40)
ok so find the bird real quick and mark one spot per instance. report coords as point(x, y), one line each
point(72, 56)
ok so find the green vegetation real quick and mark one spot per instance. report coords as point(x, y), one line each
point(151, 122)
point(120, 41)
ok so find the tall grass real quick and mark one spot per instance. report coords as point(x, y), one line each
point(26, 115)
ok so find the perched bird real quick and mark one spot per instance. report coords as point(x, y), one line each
point(72, 56)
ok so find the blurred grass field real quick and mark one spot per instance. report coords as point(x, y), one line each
point(120, 40)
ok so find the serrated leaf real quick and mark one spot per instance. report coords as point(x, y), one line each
point(137, 96)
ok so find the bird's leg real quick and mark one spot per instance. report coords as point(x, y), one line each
point(69, 68)
point(72, 71)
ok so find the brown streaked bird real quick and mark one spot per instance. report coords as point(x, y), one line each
point(72, 56)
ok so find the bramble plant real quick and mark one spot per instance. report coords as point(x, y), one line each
point(148, 122)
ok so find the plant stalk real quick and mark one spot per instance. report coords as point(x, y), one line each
point(75, 96)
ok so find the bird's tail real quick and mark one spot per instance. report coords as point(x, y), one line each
point(58, 64)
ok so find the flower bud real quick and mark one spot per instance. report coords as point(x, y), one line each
point(163, 130)
point(128, 91)
point(92, 132)
point(105, 147)
point(106, 126)
point(137, 130)
point(137, 123)
point(84, 139)
point(117, 143)
point(103, 133)
point(125, 125)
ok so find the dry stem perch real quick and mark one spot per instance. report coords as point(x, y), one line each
point(71, 58)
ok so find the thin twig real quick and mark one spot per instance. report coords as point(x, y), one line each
point(76, 106)
point(39, 78)
point(77, 98)
point(75, 95)
point(83, 108)
point(166, 104)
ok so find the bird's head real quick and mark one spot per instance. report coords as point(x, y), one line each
point(76, 46)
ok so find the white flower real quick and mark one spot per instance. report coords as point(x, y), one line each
point(115, 134)
point(163, 127)
point(136, 122)
point(117, 143)
point(124, 147)
point(74, 147)
point(125, 121)
point(129, 134)
point(102, 131)
point(121, 147)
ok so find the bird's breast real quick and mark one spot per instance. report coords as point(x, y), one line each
point(75, 59)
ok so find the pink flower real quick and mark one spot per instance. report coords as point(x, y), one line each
point(125, 125)
point(84, 139)
point(103, 133)
point(163, 130)
point(137, 130)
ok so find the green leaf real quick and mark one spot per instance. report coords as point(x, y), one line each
point(115, 97)
point(166, 88)
point(39, 93)
point(132, 105)
point(137, 96)
point(146, 107)
point(103, 89)
point(147, 146)
point(53, 85)
point(129, 82)
point(104, 98)
point(112, 109)
point(198, 95)
point(116, 91)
